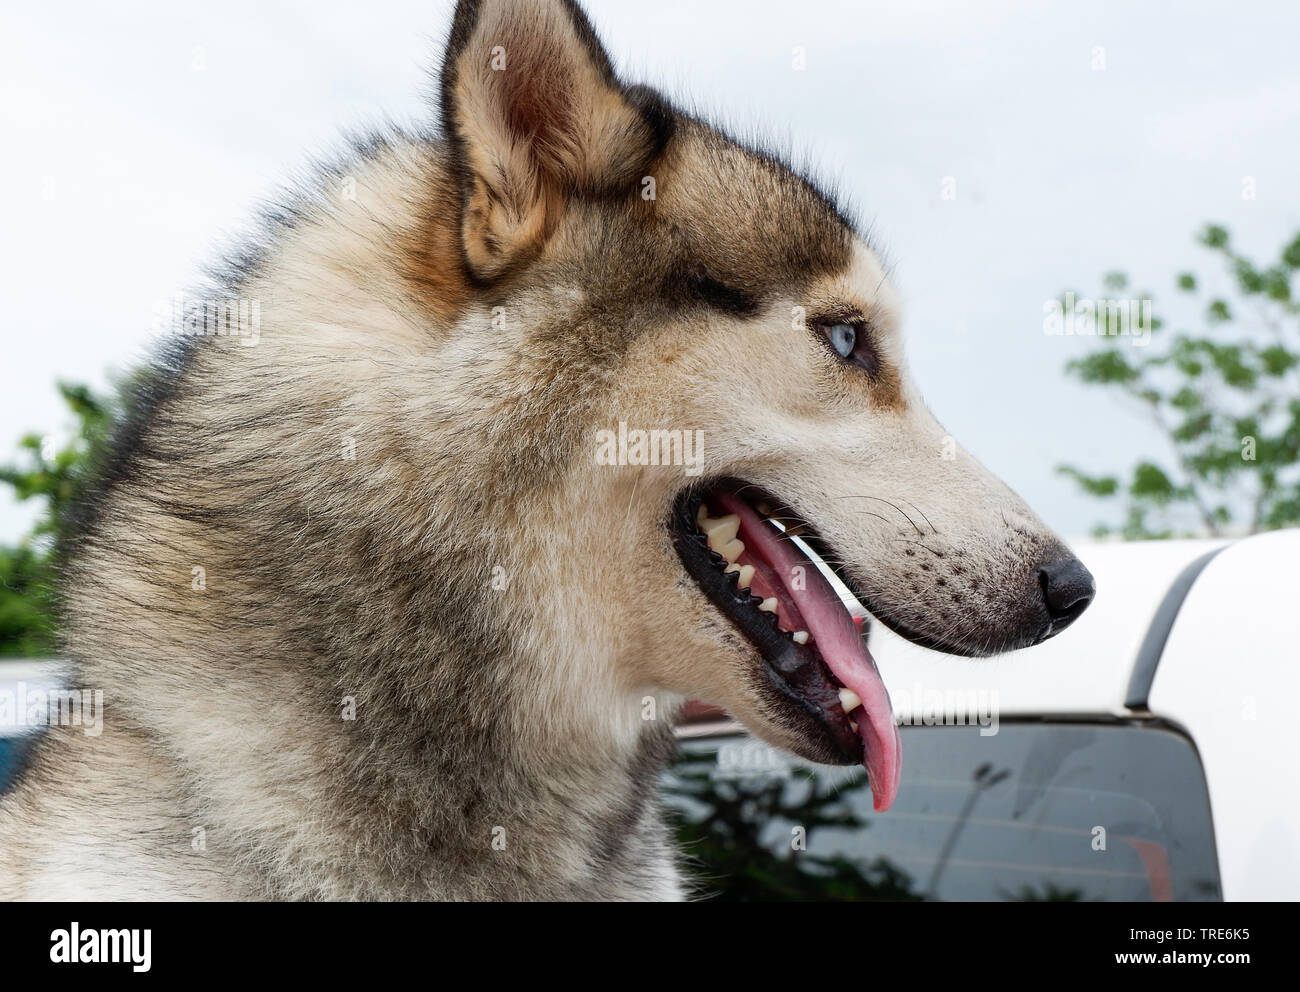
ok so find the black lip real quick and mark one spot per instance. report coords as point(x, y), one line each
point(797, 681)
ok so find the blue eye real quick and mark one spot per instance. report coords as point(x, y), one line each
point(843, 338)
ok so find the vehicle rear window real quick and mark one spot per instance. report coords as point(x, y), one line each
point(1035, 812)
point(12, 750)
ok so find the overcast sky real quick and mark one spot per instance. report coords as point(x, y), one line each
point(1078, 137)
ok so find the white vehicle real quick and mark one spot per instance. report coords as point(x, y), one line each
point(20, 683)
point(1147, 753)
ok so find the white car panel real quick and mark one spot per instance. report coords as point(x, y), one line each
point(1084, 669)
point(1230, 675)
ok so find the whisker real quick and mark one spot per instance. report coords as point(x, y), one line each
point(932, 527)
point(901, 512)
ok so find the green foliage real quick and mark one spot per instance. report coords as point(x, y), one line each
point(55, 477)
point(26, 630)
point(1101, 486)
point(730, 831)
point(1225, 395)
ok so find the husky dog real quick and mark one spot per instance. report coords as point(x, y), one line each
point(390, 600)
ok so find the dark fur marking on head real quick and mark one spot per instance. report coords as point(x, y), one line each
point(693, 288)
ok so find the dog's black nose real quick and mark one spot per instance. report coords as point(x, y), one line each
point(1068, 589)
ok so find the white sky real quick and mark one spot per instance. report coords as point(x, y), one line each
point(160, 125)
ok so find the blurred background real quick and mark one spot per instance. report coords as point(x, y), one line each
point(1020, 163)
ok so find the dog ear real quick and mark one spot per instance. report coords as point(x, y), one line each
point(535, 116)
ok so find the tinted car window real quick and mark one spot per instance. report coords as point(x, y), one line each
point(1035, 812)
point(12, 750)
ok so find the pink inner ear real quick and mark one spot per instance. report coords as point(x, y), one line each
point(541, 117)
point(538, 71)
point(538, 108)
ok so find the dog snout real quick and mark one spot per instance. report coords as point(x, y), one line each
point(1068, 588)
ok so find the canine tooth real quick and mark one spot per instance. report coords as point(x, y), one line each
point(849, 700)
point(800, 636)
point(730, 551)
point(702, 515)
point(721, 530)
point(765, 509)
point(768, 605)
point(746, 576)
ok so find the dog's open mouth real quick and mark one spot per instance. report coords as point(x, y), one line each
point(736, 542)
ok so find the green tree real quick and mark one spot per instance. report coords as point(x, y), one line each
point(1224, 395)
point(726, 827)
point(55, 476)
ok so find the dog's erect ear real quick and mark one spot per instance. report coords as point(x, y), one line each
point(535, 116)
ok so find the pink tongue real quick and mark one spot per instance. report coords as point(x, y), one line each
point(836, 636)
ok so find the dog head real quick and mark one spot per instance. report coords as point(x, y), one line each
point(713, 354)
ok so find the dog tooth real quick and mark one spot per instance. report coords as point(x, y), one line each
point(730, 551)
point(768, 605)
point(849, 700)
point(702, 516)
point(800, 636)
point(721, 530)
point(765, 509)
point(746, 576)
